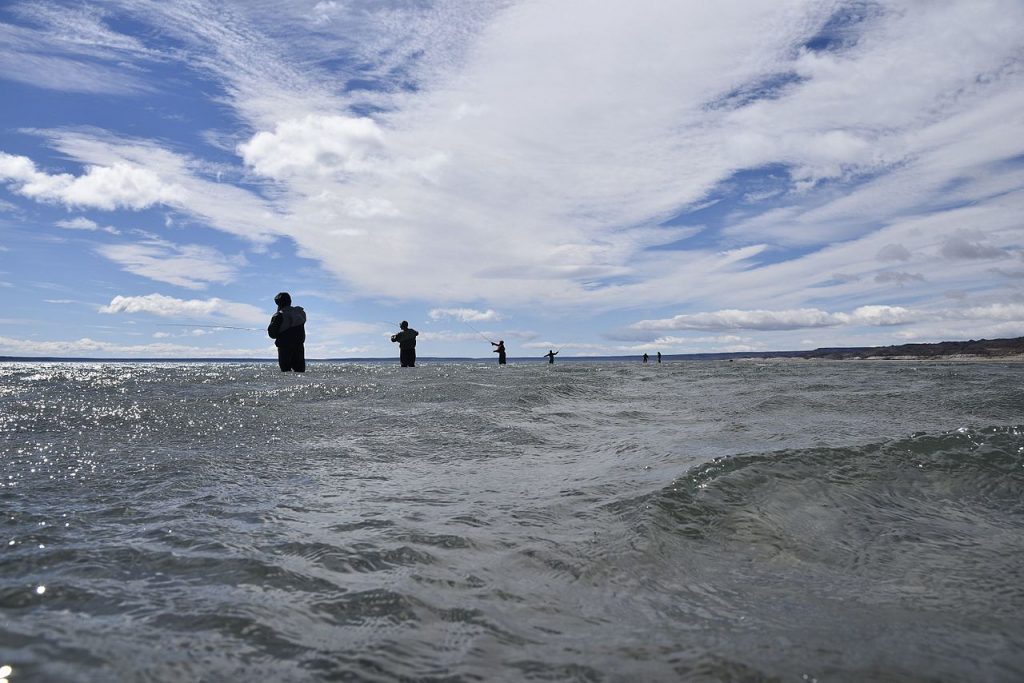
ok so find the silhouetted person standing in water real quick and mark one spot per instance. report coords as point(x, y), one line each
point(659, 356)
point(550, 355)
point(406, 345)
point(500, 351)
point(645, 356)
point(288, 330)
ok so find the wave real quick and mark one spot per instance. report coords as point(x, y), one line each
point(934, 518)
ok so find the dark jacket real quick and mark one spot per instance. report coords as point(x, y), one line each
point(287, 327)
point(406, 338)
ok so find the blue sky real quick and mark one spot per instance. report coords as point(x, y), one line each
point(603, 178)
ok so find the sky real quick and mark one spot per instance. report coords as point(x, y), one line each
point(599, 178)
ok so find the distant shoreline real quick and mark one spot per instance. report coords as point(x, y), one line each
point(1011, 350)
point(981, 349)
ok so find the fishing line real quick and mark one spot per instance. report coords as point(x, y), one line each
point(223, 327)
point(475, 330)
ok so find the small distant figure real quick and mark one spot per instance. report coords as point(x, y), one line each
point(288, 330)
point(645, 357)
point(659, 356)
point(550, 355)
point(406, 345)
point(500, 351)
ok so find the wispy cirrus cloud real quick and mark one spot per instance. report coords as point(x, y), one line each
point(71, 49)
point(192, 266)
point(959, 248)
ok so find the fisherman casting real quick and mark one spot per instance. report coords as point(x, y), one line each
point(500, 351)
point(288, 330)
point(406, 345)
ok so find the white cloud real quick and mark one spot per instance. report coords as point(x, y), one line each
point(120, 185)
point(93, 348)
point(187, 265)
point(231, 43)
point(324, 10)
point(82, 223)
point(465, 314)
point(81, 29)
point(998, 312)
point(873, 316)
point(71, 50)
point(743, 320)
point(214, 309)
point(220, 205)
point(670, 340)
point(878, 315)
point(67, 75)
point(314, 145)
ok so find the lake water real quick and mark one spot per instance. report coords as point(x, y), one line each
point(586, 521)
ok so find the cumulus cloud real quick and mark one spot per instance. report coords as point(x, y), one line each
point(878, 315)
point(192, 266)
point(102, 187)
point(465, 314)
point(169, 307)
point(314, 145)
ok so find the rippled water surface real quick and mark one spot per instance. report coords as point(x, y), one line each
point(587, 521)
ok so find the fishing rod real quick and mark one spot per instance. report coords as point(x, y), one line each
point(223, 327)
point(475, 330)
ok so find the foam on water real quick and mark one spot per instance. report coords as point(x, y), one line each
point(586, 521)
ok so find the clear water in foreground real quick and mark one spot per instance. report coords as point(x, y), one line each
point(455, 522)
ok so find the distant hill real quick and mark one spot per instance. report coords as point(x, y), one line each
point(981, 348)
